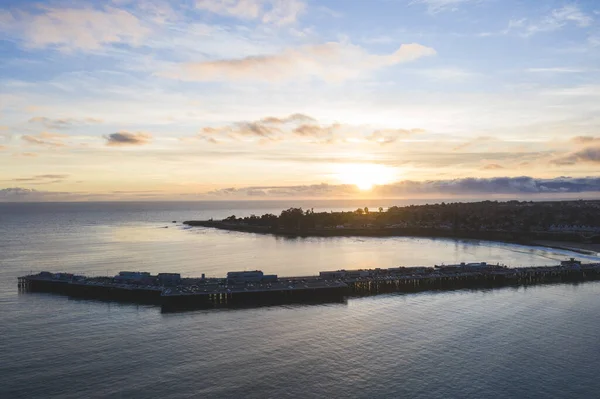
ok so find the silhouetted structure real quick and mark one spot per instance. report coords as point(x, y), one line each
point(254, 288)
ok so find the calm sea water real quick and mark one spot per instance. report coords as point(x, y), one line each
point(508, 343)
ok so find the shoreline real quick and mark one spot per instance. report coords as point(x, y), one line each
point(539, 239)
point(577, 247)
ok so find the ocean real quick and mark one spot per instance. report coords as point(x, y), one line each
point(529, 342)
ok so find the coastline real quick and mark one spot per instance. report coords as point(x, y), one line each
point(578, 247)
point(540, 239)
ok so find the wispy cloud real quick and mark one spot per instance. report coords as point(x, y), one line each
point(127, 139)
point(389, 136)
point(474, 143)
point(266, 129)
point(303, 128)
point(558, 18)
point(25, 155)
point(41, 179)
point(28, 194)
point(585, 140)
point(492, 166)
point(556, 70)
point(586, 155)
point(436, 6)
point(276, 12)
point(63, 123)
point(83, 28)
point(331, 61)
point(46, 139)
point(590, 90)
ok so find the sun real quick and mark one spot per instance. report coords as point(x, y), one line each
point(364, 185)
point(364, 176)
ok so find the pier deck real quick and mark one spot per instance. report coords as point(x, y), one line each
point(328, 286)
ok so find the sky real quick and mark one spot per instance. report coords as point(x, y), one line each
point(254, 99)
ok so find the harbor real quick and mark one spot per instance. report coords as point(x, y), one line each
point(254, 288)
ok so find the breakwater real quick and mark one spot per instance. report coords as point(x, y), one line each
point(242, 289)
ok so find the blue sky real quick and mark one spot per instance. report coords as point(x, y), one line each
point(166, 100)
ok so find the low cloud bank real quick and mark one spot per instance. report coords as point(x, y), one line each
point(20, 194)
point(467, 186)
point(516, 187)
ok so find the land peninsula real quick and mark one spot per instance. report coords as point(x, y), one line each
point(571, 225)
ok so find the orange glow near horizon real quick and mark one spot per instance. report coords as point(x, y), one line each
point(364, 176)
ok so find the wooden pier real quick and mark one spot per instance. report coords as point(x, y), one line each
point(333, 286)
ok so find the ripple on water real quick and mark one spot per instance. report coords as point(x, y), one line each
point(513, 342)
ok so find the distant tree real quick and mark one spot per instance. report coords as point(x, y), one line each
point(366, 210)
point(292, 217)
point(359, 211)
point(380, 209)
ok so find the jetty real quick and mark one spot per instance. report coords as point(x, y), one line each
point(254, 288)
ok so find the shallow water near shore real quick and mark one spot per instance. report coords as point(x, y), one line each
point(513, 342)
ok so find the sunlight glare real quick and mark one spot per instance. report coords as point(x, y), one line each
point(365, 176)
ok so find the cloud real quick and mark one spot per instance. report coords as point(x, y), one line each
point(25, 155)
point(555, 70)
point(331, 61)
point(269, 128)
point(2, 147)
point(300, 126)
point(436, 6)
point(317, 131)
point(67, 29)
point(42, 179)
point(588, 90)
point(293, 118)
point(46, 139)
point(571, 13)
point(557, 19)
point(516, 186)
point(503, 185)
point(15, 192)
point(206, 138)
point(466, 186)
point(20, 194)
point(313, 190)
point(492, 166)
point(389, 136)
point(585, 139)
point(586, 155)
point(275, 12)
point(474, 142)
point(65, 123)
point(127, 138)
